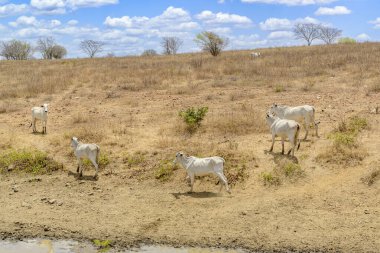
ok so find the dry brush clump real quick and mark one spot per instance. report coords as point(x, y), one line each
point(372, 177)
point(286, 170)
point(345, 148)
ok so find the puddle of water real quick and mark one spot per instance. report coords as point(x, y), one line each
point(61, 246)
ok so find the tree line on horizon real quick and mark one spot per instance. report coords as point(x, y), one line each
point(207, 41)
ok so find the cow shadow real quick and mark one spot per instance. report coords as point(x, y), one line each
point(278, 157)
point(77, 177)
point(198, 195)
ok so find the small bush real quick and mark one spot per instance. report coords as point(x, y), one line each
point(279, 88)
point(193, 117)
point(292, 169)
point(165, 170)
point(237, 174)
point(29, 161)
point(103, 246)
point(134, 159)
point(270, 179)
point(347, 40)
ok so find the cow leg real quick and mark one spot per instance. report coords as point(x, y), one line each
point(283, 145)
point(271, 148)
point(34, 125)
point(316, 129)
point(188, 180)
point(292, 141)
point(80, 167)
point(192, 179)
point(224, 180)
point(306, 125)
point(93, 161)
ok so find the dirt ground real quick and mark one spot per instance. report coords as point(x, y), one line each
point(330, 209)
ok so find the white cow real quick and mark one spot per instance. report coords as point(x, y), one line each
point(285, 129)
point(40, 113)
point(90, 151)
point(255, 55)
point(304, 114)
point(201, 167)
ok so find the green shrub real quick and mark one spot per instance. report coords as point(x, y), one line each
point(193, 117)
point(29, 161)
point(279, 88)
point(270, 179)
point(292, 169)
point(165, 170)
point(347, 40)
point(103, 246)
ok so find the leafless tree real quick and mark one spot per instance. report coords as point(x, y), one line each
point(329, 34)
point(50, 49)
point(91, 47)
point(16, 50)
point(307, 32)
point(171, 45)
point(211, 42)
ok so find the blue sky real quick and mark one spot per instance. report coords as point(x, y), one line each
point(129, 27)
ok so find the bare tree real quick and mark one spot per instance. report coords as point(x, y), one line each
point(16, 50)
point(91, 47)
point(171, 45)
point(329, 34)
point(211, 42)
point(50, 49)
point(307, 32)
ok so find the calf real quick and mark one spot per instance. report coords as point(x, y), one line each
point(40, 113)
point(90, 151)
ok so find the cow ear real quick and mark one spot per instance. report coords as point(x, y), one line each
point(181, 154)
point(42, 105)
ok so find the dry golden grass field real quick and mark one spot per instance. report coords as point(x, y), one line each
point(327, 199)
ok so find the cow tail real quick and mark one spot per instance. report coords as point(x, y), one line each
point(296, 138)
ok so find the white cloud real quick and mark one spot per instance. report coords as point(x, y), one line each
point(280, 35)
point(24, 21)
point(223, 18)
point(376, 22)
point(290, 2)
point(72, 22)
point(272, 24)
point(363, 37)
point(60, 6)
point(337, 10)
point(13, 9)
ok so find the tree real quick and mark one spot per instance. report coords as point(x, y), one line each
point(171, 45)
point(149, 52)
point(91, 47)
point(211, 42)
point(16, 50)
point(49, 49)
point(58, 52)
point(308, 32)
point(329, 34)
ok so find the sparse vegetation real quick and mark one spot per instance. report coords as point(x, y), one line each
point(373, 177)
point(193, 117)
point(103, 246)
point(28, 161)
point(270, 179)
point(164, 170)
point(211, 42)
point(345, 148)
point(134, 159)
point(347, 40)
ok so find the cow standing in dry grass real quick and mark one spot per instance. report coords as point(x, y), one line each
point(40, 113)
point(304, 115)
point(201, 167)
point(285, 129)
point(90, 151)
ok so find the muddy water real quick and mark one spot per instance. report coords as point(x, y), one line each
point(59, 246)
